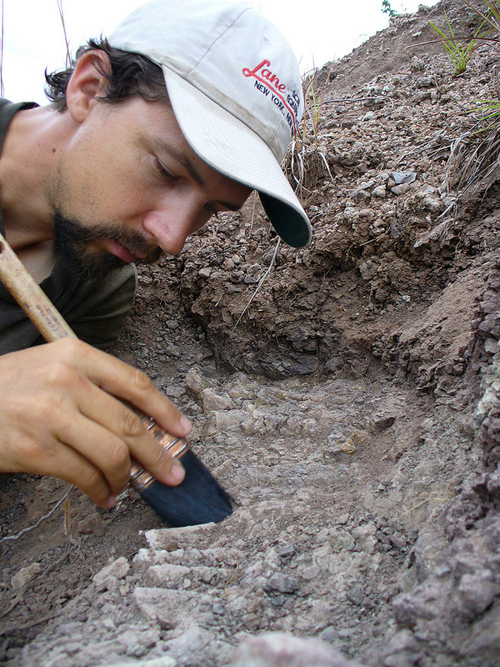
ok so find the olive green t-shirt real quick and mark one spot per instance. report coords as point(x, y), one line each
point(95, 309)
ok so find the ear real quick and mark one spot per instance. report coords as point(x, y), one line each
point(87, 83)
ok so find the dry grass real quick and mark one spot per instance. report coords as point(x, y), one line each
point(305, 159)
point(474, 162)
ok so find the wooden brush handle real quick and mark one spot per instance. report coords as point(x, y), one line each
point(32, 299)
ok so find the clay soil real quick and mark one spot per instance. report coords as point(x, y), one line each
point(344, 394)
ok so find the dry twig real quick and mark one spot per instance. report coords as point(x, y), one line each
point(43, 518)
point(264, 276)
point(66, 40)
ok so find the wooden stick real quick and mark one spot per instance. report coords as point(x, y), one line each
point(31, 297)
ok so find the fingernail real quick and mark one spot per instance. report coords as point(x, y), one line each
point(177, 472)
point(185, 424)
point(110, 502)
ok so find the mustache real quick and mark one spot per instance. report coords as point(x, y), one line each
point(74, 242)
point(133, 241)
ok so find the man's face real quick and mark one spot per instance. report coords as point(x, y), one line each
point(129, 187)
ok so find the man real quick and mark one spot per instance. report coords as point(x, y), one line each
point(187, 109)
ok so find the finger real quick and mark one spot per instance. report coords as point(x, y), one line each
point(56, 459)
point(79, 472)
point(120, 433)
point(99, 446)
point(130, 384)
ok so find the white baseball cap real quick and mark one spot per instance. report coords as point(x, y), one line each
point(235, 88)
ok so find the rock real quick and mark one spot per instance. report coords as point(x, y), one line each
point(383, 420)
point(368, 270)
point(423, 603)
point(164, 661)
point(92, 524)
point(225, 420)
point(341, 540)
point(278, 650)
point(485, 640)
point(160, 538)
point(476, 592)
point(400, 189)
point(168, 574)
point(283, 583)
point(172, 608)
point(196, 381)
point(433, 203)
point(205, 272)
point(329, 634)
point(190, 644)
point(24, 576)
point(356, 595)
point(213, 400)
point(110, 574)
point(385, 414)
point(310, 573)
point(365, 537)
point(400, 177)
point(425, 82)
point(286, 553)
point(380, 192)
point(402, 650)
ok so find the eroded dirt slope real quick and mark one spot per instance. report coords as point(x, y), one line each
point(346, 395)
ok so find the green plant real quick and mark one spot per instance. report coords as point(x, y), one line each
point(387, 9)
point(313, 102)
point(473, 164)
point(490, 109)
point(459, 53)
point(491, 112)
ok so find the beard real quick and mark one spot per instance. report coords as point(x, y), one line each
point(74, 243)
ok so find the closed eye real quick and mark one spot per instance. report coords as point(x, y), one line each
point(163, 171)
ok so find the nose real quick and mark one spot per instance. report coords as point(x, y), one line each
point(171, 224)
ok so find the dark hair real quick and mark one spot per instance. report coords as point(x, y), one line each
point(131, 74)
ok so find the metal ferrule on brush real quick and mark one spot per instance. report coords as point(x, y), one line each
point(140, 478)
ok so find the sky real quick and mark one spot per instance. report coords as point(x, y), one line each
point(319, 31)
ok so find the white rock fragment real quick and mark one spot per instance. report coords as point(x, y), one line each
point(24, 576)
point(277, 649)
point(116, 570)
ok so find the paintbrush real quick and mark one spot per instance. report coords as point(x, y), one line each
point(199, 498)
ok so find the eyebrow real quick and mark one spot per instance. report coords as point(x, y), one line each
point(183, 160)
point(191, 169)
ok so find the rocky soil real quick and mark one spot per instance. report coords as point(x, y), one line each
point(347, 395)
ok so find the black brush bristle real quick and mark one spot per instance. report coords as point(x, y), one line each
point(199, 499)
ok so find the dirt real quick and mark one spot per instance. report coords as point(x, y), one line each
point(345, 394)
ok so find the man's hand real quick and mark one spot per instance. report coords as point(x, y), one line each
point(60, 416)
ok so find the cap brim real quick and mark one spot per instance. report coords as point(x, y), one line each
point(233, 149)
